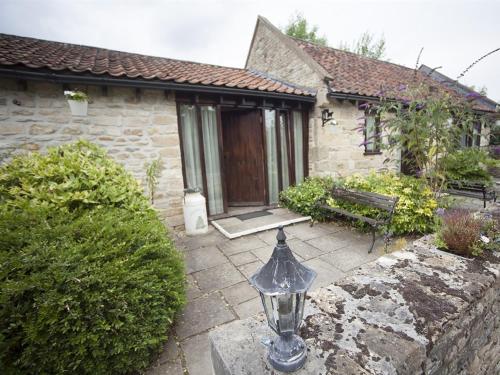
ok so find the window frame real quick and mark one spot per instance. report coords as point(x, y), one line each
point(377, 135)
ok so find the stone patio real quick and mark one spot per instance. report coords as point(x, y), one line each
point(218, 290)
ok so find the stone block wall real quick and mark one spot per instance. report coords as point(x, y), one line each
point(335, 149)
point(135, 128)
point(418, 311)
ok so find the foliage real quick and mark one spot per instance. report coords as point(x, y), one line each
point(469, 165)
point(460, 232)
point(153, 172)
point(302, 198)
point(71, 177)
point(85, 294)
point(415, 209)
point(298, 27)
point(495, 135)
point(367, 46)
point(78, 96)
point(428, 124)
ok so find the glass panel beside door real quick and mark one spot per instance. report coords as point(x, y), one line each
point(272, 155)
point(192, 152)
point(284, 147)
point(212, 159)
point(191, 147)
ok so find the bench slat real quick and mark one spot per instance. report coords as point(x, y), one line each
point(368, 199)
point(349, 214)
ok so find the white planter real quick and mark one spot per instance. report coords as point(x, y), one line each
point(78, 107)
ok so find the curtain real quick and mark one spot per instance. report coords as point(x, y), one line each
point(285, 178)
point(298, 145)
point(212, 159)
point(272, 155)
point(370, 134)
point(191, 147)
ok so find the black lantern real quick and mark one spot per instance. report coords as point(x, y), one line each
point(326, 115)
point(283, 284)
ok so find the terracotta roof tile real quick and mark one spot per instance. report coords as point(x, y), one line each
point(355, 74)
point(41, 54)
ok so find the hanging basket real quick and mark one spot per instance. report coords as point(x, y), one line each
point(78, 107)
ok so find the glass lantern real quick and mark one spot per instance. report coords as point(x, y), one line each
point(283, 284)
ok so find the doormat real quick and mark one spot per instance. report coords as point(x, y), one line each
point(252, 215)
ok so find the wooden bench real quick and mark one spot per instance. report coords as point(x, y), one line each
point(383, 203)
point(472, 189)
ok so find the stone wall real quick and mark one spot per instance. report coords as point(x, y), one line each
point(135, 128)
point(335, 149)
point(272, 53)
point(419, 311)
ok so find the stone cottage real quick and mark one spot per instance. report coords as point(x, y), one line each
point(205, 122)
point(239, 135)
point(344, 82)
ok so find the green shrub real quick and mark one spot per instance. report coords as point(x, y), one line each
point(466, 233)
point(468, 164)
point(301, 198)
point(89, 278)
point(415, 209)
point(92, 292)
point(73, 176)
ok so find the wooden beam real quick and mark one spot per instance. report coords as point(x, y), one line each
point(22, 85)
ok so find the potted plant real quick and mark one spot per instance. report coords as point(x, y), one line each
point(78, 102)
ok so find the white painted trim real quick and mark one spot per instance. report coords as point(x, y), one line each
point(258, 229)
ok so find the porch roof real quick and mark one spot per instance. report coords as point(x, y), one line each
point(38, 55)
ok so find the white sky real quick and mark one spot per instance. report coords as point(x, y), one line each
point(453, 32)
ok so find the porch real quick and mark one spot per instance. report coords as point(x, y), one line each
point(242, 151)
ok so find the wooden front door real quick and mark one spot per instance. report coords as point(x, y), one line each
point(243, 158)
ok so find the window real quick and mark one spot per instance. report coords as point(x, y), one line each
point(472, 138)
point(372, 134)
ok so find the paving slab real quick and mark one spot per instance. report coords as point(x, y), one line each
point(239, 293)
point(192, 290)
point(167, 368)
point(212, 238)
point(327, 273)
point(249, 269)
point(196, 351)
point(305, 232)
point(242, 258)
point(304, 250)
point(240, 245)
point(329, 243)
point(263, 253)
point(170, 351)
point(202, 314)
point(203, 258)
point(218, 277)
point(349, 257)
point(249, 308)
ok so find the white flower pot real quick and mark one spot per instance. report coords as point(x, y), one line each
point(78, 107)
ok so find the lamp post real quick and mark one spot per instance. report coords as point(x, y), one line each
point(283, 284)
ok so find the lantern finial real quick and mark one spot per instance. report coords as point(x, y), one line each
point(281, 236)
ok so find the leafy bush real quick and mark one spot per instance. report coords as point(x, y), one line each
point(415, 209)
point(461, 232)
point(302, 198)
point(469, 165)
point(93, 293)
point(89, 279)
point(73, 176)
